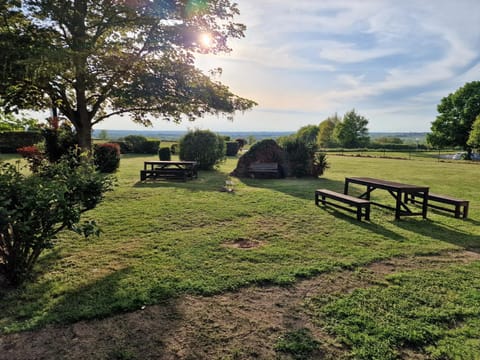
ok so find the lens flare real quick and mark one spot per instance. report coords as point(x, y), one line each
point(196, 7)
point(206, 40)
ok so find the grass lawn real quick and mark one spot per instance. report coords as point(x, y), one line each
point(164, 240)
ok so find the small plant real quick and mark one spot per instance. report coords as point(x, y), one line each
point(107, 157)
point(300, 344)
point(320, 164)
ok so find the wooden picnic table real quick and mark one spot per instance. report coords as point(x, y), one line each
point(399, 192)
point(183, 170)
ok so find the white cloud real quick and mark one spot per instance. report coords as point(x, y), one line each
point(350, 53)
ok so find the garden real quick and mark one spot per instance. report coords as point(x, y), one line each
point(185, 270)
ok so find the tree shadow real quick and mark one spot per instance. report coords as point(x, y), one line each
point(130, 327)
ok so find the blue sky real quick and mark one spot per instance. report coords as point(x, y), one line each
point(304, 60)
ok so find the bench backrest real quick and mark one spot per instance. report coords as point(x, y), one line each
point(263, 166)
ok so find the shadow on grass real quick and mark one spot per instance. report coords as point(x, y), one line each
point(207, 181)
point(133, 333)
point(303, 188)
point(367, 225)
point(99, 298)
point(444, 233)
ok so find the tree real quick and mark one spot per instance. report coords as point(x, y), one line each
point(325, 136)
point(10, 122)
point(308, 134)
point(474, 137)
point(457, 112)
point(96, 59)
point(352, 131)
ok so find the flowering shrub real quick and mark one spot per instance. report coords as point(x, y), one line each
point(107, 157)
point(33, 156)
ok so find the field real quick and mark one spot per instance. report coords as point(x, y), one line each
point(186, 271)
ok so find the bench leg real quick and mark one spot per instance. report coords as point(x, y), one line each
point(367, 212)
point(465, 211)
point(457, 211)
point(359, 213)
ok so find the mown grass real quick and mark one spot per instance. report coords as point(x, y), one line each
point(435, 313)
point(164, 239)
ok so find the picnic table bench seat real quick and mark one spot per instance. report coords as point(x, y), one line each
point(460, 206)
point(362, 206)
point(179, 170)
point(264, 169)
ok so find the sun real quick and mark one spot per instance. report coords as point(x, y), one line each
point(206, 40)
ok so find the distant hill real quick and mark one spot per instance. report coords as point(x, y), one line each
point(259, 135)
point(175, 135)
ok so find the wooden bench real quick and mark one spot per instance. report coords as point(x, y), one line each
point(321, 196)
point(266, 169)
point(460, 206)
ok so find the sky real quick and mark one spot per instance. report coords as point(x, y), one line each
point(304, 60)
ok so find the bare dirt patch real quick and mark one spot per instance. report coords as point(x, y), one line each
point(237, 325)
point(243, 243)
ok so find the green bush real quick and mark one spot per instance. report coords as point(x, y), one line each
point(232, 148)
point(203, 146)
point(34, 208)
point(174, 149)
point(300, 156)
point(107, 157)
point(139, 144)
point(164, 154)
point(148, 147)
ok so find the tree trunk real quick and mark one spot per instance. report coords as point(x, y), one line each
point(84, 135)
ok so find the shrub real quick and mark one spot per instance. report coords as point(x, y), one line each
point(232, 148)
point(107, 157)
point(203, 146)
point(148, 147)
point(59, 141)
point(33, 156)
point(174, 149)
point(134, 141)
point(241, 143)
point(12, 140)
point(34, 208)
point(300, 156)
point(164, 154)
point(141, 145)
point(125, 147)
